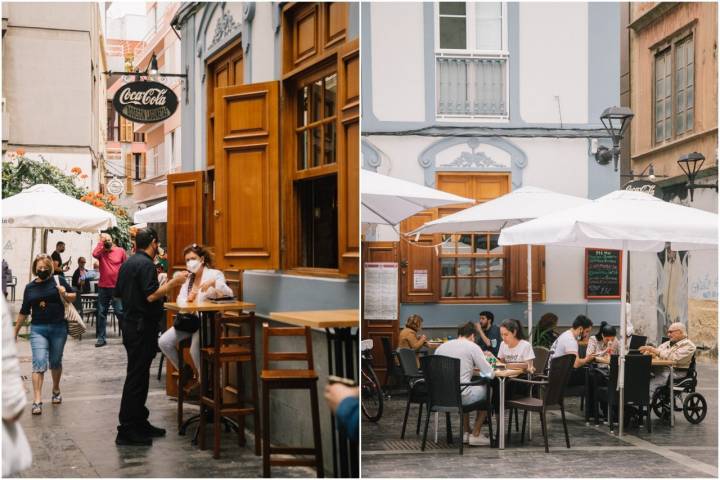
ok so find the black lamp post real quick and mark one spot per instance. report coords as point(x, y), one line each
point(616, 121)
point(691, 163)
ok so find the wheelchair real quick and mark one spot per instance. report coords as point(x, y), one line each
point(684, 398)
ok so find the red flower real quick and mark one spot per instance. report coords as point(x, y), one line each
point(20, 151)
point(84, 176)
point(76, 170)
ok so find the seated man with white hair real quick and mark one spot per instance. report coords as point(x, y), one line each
point(679, 349)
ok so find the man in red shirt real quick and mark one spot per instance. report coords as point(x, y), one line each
point(110, 257)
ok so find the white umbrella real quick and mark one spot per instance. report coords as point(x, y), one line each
point(622, 220)
point(154, 214)
point(515, 207)
point(388, 200)
point(44, 206)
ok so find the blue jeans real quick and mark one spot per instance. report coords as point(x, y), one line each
point(105, 296)
point(47, 340)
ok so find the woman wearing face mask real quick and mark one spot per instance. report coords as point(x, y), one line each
point(202, 283)
point(48, 331)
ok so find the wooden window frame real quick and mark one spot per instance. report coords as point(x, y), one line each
point(668, 47)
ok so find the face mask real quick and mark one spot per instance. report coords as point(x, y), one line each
point(43, 274)
point(193, 265)
point(108, 245)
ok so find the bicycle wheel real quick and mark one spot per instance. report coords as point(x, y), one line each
point(371, 397)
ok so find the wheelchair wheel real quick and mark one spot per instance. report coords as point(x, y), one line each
point(694, 408)
point(660, 404)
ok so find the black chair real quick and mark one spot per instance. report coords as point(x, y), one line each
point(553, 394)
point(89, 308)
point(637, 387)
point(392, 370)
point(542, 355)
point(637, 341)
point(442, 377)
point(417, 389)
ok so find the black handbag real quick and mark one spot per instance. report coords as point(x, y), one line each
point(187, 322)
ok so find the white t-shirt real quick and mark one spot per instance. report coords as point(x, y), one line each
point(522, 352)
point(218, 290)
point(565, 344)
point(471, 357)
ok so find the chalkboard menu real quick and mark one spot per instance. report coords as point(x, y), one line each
point(603, 269)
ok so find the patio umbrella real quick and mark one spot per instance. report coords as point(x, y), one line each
point(513, 208)
point(44, 206)
point(154, 214)
point(388, 200)
point(621, 220)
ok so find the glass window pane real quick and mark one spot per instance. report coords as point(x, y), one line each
point(494, 247)
point(481, 287)
point(452, 8)
point(447, 286)
point(481, 245)
point(464, 286)
point(690, 118)
point(318, 222)
point(691, 74)
point(315, 147)
point(330, 94)
point(464, 244)
point(497, 287)
point(448, 246)
point(690, 50)
point(481, 266)
point(659, 90)
point(488, 10)
point(302, 140)
point(488, 34)
point(659, 110)
point(659, 132)
point(680, 123)
point(447, 267)
point(452, 33)
point(497, 267)
point(316, 96)
point(302, 107)
point(464, 267)
point(680, 79)
point(680, 101)
point(679, 55)
point(329, 142)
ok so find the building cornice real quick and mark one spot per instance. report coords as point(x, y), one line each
point(652, 15)
point(522, 132)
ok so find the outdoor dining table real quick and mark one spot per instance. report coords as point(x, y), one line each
point(208, 311)
point(656, 362)
point(502, 375)
point(342, 359)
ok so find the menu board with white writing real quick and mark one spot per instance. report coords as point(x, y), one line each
point(602, 273)
point(380, 300)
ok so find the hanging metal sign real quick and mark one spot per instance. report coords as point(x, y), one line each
point(115, 187)
point(145, 102)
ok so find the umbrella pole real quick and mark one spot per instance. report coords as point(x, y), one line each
point(623, 322)
point(530, 316)
point(32, 252)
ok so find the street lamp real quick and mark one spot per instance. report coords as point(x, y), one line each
point(616, 121)
point(691, 163)
point(153, 67)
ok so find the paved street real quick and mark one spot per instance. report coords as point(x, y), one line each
point(77, 438)
point(685, 451)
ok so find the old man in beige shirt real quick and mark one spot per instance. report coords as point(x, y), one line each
point(679, 349)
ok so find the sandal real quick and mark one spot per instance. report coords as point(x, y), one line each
point(56, 398)
point(37, 408)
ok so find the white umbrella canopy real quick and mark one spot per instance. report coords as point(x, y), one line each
point(388, 200)
point(44, 206)
point(154, 214)
point(623, 220)
point(518, 206)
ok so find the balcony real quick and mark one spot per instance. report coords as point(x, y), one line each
point(472, 86)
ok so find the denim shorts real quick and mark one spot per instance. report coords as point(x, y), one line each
point(473, 394)
point(47, 341)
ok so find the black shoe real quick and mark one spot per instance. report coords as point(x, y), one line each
point(100, 343)
point(132, 437)
point(152, 431)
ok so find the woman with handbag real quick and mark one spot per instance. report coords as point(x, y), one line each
point(45, 300)
point(203, 283)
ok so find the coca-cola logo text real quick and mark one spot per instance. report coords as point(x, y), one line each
point(145, 101)
point(154, 96)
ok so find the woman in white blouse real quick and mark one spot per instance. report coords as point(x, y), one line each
point(515, 351)
point(202, 283)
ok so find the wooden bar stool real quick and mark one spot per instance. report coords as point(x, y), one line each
point(229, 349)
point(183, 346)
point(290, 379)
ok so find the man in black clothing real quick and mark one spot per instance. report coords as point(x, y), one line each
point(141, 295)
point(60, 268)
point(488, 334)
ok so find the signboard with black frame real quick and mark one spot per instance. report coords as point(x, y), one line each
point(145, 101)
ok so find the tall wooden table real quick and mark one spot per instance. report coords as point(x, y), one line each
point(207, 311)
point(342, 356)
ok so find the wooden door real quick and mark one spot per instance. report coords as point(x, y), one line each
point(246, 213)
point(379, 329)
point(518, 273)
point(417, 257)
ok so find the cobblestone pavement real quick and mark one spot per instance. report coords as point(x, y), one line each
point(683, 451)
point(77, 438)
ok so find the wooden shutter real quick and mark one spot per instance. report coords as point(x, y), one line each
point(247, 213)
point(184, 215)
point(518, 272)
point(379, 329)
point(129, 173)
point(419, 257)
point(143, 166)
point(348, 145)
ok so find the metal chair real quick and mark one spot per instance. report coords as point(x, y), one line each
point(417, 390)
point(442, 376)
point(89, 308)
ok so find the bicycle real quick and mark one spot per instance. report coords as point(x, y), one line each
point(371, 397)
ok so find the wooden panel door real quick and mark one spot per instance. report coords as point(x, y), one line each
point(379, 329)
point(518, 273)
point(418, 256)
point(247, 185)
point(348, 126)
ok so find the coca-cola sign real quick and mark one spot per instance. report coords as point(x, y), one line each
point(644, 186)
point(145, 102)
